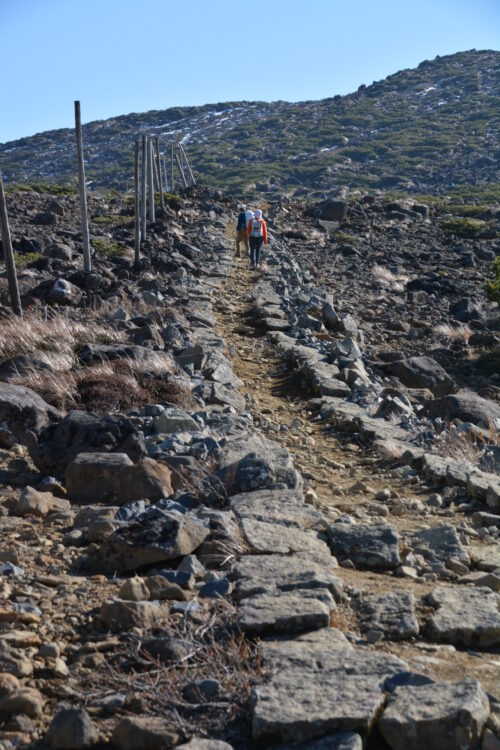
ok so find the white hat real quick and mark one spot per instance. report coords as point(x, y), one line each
point(258, 213)
point(241, 207)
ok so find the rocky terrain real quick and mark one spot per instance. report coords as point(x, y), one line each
point(417, 130)
point(251, 509)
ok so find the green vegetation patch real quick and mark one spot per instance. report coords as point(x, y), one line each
point(22, 260)
point(109, 249)
point(467, 227)
point(41, 187)
point(344, 238)
point(105, 220)
point(493, 285)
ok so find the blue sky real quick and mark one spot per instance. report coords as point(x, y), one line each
point(121, 56)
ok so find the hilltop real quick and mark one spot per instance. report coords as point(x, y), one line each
point(417, 130)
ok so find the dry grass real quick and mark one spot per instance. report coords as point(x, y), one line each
point(453, 333)
point(52, 341)
point(107, 387)
point(217, 650)
point(389, 279)
point(103, 387)
point(462, 446)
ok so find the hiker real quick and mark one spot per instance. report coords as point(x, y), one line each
point(241, 230)
point(257, 233)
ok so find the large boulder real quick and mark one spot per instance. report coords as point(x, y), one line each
point(39, 504)
point(63, 292)
point(146, 359)
point(71, 729)
point(90, 477)
point(80, 432)
point(421, 372)
point(466, 406)
point(112, 477)
point(144, 733)
point(146, 480)
point(329, 210)
point(22, 410)
point(372, 545)
point(154, 537)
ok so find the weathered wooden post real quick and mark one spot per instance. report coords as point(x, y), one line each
point(151, 189)
point(183, 176)
point(191, 176)
point(8, 254)
point(137, 216)
point(143, 190)
point(165, 172)
point(87, 265)
point(156, 182)
point(172, 176)
point(160, 177)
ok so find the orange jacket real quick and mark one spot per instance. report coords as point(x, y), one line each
point(263, 228)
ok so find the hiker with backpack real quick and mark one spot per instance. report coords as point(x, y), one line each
point(257, 234)
point(241, 230)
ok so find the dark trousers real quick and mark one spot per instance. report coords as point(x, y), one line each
point(255, 245)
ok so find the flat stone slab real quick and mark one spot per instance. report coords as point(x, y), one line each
point(285, 613)
point(438, 544)
point(278, 538)
point(276, 505)
point(317, 691)
point(372, 546)
point(299, 706)
point(393, 614)
point(445, 716)
point(486, 558)
point(465, 617)
point(342, 741)
point(313, 650)
point(256, 574)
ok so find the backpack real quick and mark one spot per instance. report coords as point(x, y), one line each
point(256, 228)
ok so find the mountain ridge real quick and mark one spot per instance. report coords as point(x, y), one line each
point(419, 129)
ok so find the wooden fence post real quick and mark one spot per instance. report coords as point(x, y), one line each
point(151, 189)
point(183, 176)
point(143, 190)
point(191, 176)
point(156, 179)
point(160, 177)
point(8, 254)
point(172, 176)
point(137, 216)
point(87, 265)
point(165, 172)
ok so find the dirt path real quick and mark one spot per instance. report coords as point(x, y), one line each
point(344, 478)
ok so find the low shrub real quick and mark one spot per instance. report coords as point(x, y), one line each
point(467, 227)
point(493, 285)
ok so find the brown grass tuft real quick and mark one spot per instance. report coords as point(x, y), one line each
point(453, 333)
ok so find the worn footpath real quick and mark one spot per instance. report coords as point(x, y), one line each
point(207, 541)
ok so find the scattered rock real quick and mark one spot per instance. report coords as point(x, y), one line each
point(143, 733)
point(392, 614)
point(367, 545)
point(71, 729)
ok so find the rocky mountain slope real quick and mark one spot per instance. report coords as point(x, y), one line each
point(417, 130)
point(250, 509)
